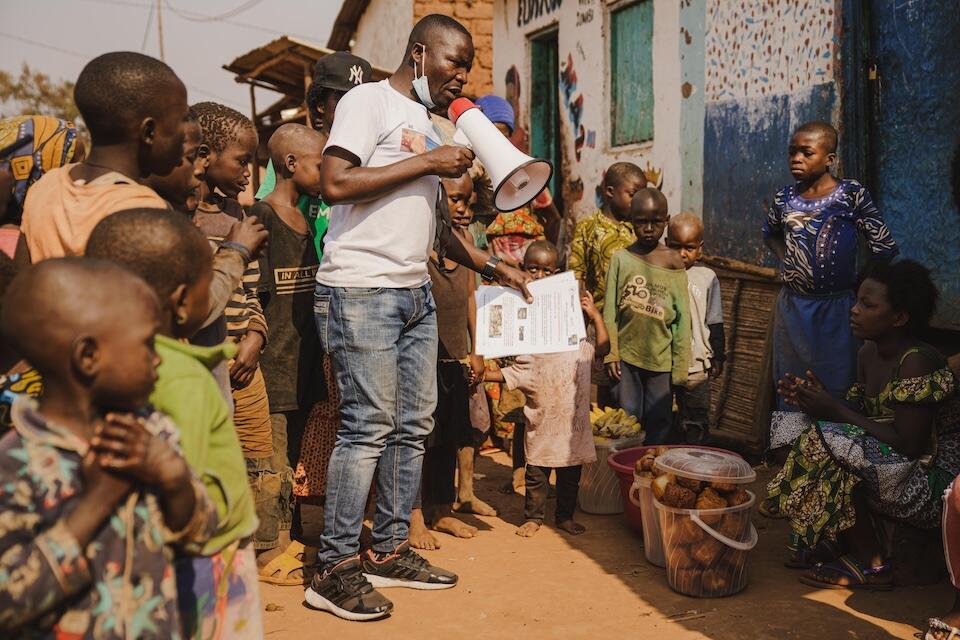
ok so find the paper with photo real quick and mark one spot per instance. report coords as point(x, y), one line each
point(508, 326)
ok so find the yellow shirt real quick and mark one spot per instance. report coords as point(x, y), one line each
point(595, 240)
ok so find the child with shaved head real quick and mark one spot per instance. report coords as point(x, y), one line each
point(815, 227)
point(97, 486)
point(707, 348)
point(647, 315)
point(292, 360)
point(217, 586)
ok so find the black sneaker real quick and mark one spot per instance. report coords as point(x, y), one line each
point(405, 568)
point(345, 592)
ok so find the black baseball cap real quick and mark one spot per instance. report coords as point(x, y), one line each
point(342, 71)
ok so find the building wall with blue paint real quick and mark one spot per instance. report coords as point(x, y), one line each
point(733, 78)
point(770, 67)
point(914, 137)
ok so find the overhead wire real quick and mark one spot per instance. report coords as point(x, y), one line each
point(87, 56)
point(193, 16)
point(146, 30)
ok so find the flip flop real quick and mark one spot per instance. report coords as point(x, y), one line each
point(873, 579)
point(808, 558)
point(938, 625)
point(278, 571)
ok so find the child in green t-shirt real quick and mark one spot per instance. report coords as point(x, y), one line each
point(646, 311)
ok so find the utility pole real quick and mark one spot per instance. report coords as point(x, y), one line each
point(160, 28)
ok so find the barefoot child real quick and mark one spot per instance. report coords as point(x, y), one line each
point(452, 286)
point(135, 108)
point(292, 360)
point(814, 228)
point(647, 314)
point(217, 588)
point(558, 435)
point(707, 348)
point(100, 487)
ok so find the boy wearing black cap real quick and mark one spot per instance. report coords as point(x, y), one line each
point(334, 75)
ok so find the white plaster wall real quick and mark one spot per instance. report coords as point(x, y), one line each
point(757, 48)
point(382, 32)
point(583, 38)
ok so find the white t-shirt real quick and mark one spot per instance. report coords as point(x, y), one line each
point(384, 242)
point(706, 308)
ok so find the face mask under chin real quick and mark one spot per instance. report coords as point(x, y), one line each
point(420, 84)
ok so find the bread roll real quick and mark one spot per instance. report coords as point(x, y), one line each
point(676, 496)
point(710, 499)
point(707, 552)
point(688, 483)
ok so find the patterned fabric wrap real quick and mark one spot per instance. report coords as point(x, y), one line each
point(28, 383)
point(34, 145)
point(829, 459)
point(512, 232)
point(821, 236)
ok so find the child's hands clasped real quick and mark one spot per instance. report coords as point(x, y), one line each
point(123, 445)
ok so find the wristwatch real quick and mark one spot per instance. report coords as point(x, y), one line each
point(490, 268)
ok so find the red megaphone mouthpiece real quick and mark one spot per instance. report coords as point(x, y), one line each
point(458, 106)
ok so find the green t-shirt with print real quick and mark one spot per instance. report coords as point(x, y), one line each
point(315, 210)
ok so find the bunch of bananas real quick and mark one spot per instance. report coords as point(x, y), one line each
point(613, 423)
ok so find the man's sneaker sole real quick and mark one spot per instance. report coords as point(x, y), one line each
point(381, 582)
point(317, 601)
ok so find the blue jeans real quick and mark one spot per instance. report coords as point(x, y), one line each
point(647, 395)
point(383, 343)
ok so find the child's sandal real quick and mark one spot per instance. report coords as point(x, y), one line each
point(829, 576)
point(278, 571)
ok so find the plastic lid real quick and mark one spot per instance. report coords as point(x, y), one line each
point(706, 465)
point(458, 106)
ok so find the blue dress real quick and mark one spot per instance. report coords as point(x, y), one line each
point(819, 271)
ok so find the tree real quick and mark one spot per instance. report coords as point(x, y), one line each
point(35, 93)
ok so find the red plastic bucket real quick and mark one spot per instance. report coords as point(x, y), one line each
point(622, 462)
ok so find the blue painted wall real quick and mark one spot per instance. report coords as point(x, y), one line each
point(745, 163)
point(917, 135)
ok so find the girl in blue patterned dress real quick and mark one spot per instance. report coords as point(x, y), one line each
point(814, 227)
point(892, 455)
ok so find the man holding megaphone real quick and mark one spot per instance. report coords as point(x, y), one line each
point(381, 171)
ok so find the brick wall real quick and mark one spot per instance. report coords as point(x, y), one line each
point(477, 17)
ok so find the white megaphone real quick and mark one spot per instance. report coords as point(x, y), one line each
point(516, 177)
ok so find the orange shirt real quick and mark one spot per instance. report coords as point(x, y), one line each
point(60, 213)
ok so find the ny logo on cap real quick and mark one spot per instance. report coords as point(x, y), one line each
point(356, 74)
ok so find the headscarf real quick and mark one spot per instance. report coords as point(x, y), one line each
point(497, 110)
point(33, 145)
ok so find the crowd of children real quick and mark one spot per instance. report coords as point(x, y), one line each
point(177, 387)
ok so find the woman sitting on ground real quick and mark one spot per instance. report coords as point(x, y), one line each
point(892, 456)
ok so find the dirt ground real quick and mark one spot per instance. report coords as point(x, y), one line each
point(599, 585)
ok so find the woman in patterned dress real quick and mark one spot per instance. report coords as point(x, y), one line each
point(892, 456)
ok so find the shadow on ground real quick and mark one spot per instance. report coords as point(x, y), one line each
point(774, 605)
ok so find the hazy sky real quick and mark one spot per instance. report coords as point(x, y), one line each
point(71, 32)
